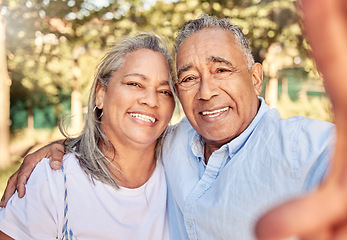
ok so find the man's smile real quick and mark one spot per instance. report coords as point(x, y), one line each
point(214, 112)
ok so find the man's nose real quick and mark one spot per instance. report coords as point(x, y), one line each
point(208, 88)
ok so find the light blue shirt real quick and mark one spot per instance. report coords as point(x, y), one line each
point(272, 160)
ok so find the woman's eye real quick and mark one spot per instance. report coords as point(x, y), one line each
point(166, 92)
point(133, 84)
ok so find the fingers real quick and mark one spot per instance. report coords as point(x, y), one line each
point(341, 231)
point(301, 217)
point(28, 165)
point(18, 180)
point(56, 158)
point(25, 170)
point(9, 190)
point(319, 235)
point(53, 151)
point(326, 29)
point(323, 214)
point(22, 179)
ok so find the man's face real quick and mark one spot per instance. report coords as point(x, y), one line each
point(217, 91)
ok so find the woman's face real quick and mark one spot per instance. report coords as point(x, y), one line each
point(138, 102)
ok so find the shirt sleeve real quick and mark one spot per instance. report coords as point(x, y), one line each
point(39, 214)
point(314, 147)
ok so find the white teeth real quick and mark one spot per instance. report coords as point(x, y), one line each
point(142, 117)
point(215, 111)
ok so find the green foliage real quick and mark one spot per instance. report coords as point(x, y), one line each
point(5, 174)
point(314, 107)
point(44, 37)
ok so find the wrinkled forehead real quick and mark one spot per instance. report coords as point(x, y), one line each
point(205, 44)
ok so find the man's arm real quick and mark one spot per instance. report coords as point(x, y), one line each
point(3, 236)
point(323, 213)
point(17, 181)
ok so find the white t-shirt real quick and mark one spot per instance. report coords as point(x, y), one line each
point(95, 210)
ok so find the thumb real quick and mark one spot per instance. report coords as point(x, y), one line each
point(56, 158)
point(300, 217)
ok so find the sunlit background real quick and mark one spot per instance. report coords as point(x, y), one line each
point(49, 50)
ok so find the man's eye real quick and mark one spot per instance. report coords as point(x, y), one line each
point(222, 70)
point(187, 79)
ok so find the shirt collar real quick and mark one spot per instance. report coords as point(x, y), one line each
point(197, 143)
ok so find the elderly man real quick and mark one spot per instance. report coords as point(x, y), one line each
point(232, 157)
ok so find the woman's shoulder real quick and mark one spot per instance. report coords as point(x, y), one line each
point(42, 205)
point(43, 173)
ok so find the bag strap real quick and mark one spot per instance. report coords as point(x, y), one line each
point(67, 233)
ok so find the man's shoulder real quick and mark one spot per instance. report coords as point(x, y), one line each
point(296, 128)
point(177, 139)
point(274, 118)
point(181, 129)
point(306, 124)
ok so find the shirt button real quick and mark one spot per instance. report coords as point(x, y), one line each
point(189, 224)
point(203, 185)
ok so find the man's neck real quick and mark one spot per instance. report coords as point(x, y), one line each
point(208, 150)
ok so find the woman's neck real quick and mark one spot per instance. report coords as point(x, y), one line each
point(131, 167)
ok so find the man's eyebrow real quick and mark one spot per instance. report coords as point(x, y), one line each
point(215, 59)
point(183, 69)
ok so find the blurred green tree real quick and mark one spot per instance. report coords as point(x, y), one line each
point(52, 44)
point(59, 41)
point(268, 24)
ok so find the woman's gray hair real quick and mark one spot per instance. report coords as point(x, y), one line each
point(87, 146)
point(204, 22)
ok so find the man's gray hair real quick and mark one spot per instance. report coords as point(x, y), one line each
point(205, 22)
point(87, 146)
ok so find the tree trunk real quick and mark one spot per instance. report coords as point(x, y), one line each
point(285, 91)
point(271, 67)
point(76, 102)
point(5, 83)
point(271, 92)
point(30, 117)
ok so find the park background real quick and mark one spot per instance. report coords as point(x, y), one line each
point(49, 50)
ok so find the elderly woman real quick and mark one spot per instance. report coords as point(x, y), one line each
point(112, 184)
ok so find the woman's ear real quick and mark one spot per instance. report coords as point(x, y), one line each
point(257, 77)
point(99, 96)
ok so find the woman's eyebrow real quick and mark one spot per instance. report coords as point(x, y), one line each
point(136, 75)
point(162, 83)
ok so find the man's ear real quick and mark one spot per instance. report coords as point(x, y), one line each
point(99, 96)
point(257, 77)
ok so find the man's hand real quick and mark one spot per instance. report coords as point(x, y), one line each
point(323, 213)
point(17, 181)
